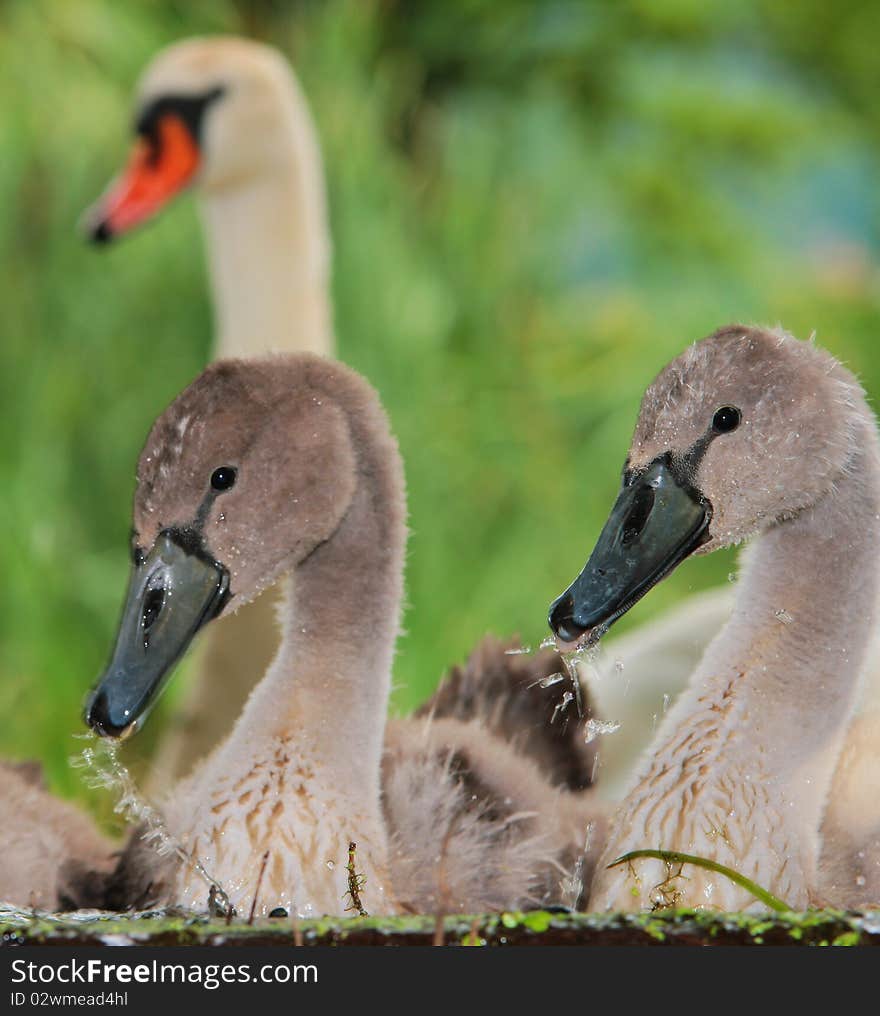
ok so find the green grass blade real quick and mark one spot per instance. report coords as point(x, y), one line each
point(674, 857)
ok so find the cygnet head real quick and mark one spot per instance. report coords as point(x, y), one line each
point(745, 429)
point(245, 474)
point(208, 111)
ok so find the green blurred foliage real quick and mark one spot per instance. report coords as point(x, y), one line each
point(534, 206)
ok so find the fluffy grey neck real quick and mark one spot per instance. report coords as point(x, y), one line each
point(741, 769)
point(328, 687)
point(796, 645)
point(268, 252)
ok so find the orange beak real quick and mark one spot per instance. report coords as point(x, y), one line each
point(157, 170)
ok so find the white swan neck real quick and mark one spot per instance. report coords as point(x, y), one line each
point(268, 250)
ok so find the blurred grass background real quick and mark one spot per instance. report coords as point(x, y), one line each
point(534, 206)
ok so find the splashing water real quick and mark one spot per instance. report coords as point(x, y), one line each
point(519, 651)
point(593, 728)
point(548, 682)
point(106, 771)
point(571, 662)
point(572, 886)
point(584, 656)
point(562, 705)
point(783, 616)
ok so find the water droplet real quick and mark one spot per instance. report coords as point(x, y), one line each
point(731, 576)
point(665, 702)
point(562, 705)
point(783, 616)
point(518, 651)
point(860, 880)
point(547, 682)
point(593, 728)
point(595, 770)
point(331, 865)
point(572, 885)
point(618, 667)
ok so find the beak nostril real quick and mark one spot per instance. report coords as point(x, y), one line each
point(153, 603)
point(637, 517)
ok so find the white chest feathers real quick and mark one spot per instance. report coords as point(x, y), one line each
point(703, 794)
point(278, 832)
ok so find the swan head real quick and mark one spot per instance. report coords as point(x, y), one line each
point(744, 430)
point(244, 475)
point(215, 112)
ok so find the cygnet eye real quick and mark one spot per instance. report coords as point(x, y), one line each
point(726, 419)
point(223, 478)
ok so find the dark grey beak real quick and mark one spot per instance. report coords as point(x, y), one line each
point(173, 592)
point(656, 522)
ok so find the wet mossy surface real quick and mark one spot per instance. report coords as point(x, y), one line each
point(540, 928)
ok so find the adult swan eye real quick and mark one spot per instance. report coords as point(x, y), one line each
point(223, 478)
point(726, 419)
